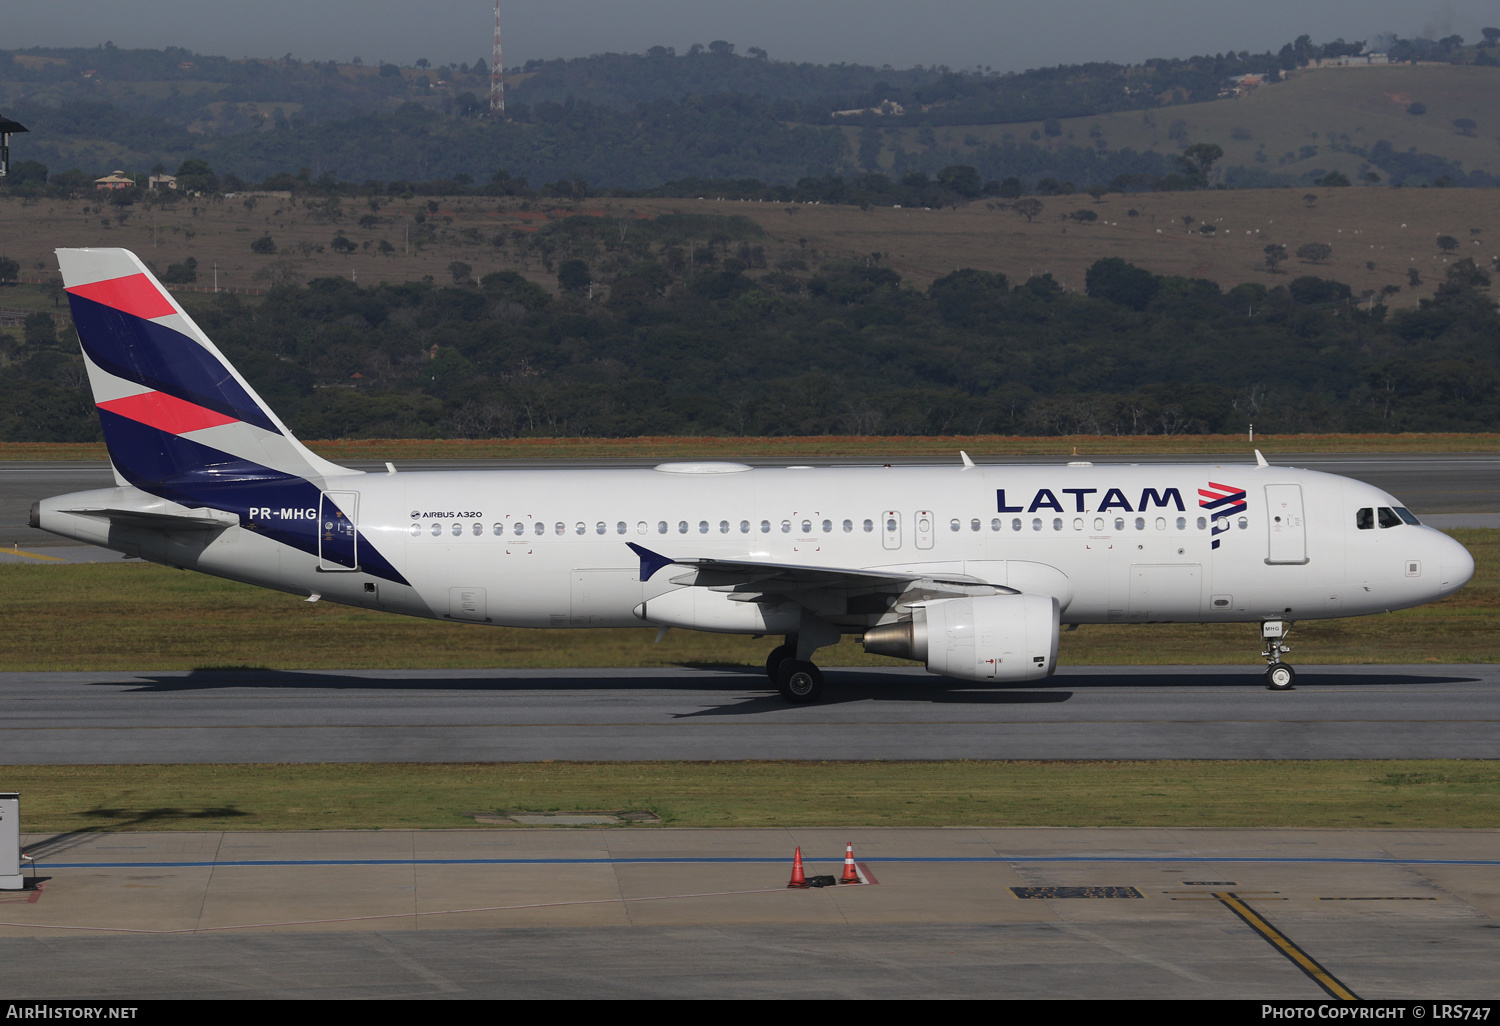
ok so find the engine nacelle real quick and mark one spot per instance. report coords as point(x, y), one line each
point(991, 637)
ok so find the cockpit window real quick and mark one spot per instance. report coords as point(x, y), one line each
point(1408, 516)
point(1388, 517)
point(1365, 519)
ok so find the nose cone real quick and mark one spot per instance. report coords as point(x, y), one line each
point(1457, 565)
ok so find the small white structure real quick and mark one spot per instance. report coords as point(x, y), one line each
point(10, 842)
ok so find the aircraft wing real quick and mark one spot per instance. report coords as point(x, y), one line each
point(742, 574)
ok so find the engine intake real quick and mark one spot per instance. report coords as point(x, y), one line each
point(991, 637)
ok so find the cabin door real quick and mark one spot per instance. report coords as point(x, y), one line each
point(338, 533)
point(1287, 530)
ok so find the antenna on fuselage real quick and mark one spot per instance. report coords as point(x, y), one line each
point(968, 463)
point(1260, 461)
point(7, 127)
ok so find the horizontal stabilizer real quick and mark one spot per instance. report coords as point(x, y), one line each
point(193, 520)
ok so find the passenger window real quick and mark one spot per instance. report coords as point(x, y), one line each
point(620, 527)
point(1244, 522)
point(765, 527)
point(1078, 523)
point(848, 526)
point(661, 527)
point(807, 527)
point(499, 529)
point(580, 528)
point(723, 527)
point(1365, 519)
point(744, 527)
point(1057, 523)
point(869, 526)
point(703, 527)
point(416, 529)
point(600, 527)
point(458, 529)
point(479, 529)
point(786, 527)
point(1036, 523)
point(954, 525)
point(682, 526)
point(1388, 518)
point(539, 528)
point(1202, 523)
point(1098, 523)
point(1182, 523)
point(641, 528)
point(973, 525)
point(437, 529)
point(1140, 523)
point(519, 529)
point(995, 524)
point(560, 528)
point(828, 527)
point(1015, 523)
point(1161, 523)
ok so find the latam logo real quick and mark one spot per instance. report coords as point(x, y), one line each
point(1225, 501)
point(1114, 499)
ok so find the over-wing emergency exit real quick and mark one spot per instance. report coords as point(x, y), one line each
point(971, 570)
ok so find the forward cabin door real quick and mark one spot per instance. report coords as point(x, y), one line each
point(338, 531)
point(1287, 537)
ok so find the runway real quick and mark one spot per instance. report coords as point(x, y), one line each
point(1135, 712)
point(1427, 482)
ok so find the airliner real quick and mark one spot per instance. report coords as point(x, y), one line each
point(972, 570)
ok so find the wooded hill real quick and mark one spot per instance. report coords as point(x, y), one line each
point(638, 121)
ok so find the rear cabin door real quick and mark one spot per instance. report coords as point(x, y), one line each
point(338, 531)
point(1287, 530)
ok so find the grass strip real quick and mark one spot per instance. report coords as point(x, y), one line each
point(867, 447)
point(140, 616)
point(345, 796)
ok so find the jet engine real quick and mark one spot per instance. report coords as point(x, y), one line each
point(990, 637)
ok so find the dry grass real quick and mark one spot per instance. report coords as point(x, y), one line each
point(1365, 793)
point(1392, 228)
point(133, 616)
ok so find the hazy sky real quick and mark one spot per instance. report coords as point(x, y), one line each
point(1004, 34)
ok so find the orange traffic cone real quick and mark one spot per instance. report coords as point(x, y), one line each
point(798, 879)
point(851, 875)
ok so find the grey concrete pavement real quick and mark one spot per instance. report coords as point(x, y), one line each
point(1134, 712)
point(619, 913)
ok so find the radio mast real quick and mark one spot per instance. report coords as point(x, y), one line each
point(497, 72)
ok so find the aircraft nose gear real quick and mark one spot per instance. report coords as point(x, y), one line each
point(1279, 676)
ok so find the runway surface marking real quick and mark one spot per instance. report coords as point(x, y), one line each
point(32, 555)
point(41, 862)
point(1284, 944)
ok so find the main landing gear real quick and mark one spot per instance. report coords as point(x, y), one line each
point(1279, 676)
point(797, 679)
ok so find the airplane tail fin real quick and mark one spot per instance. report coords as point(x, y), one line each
point(172, 407)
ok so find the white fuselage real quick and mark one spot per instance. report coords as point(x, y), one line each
point(1112, 543)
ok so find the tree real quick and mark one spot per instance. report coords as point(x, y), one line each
point(1447, 243)
point(573, 277)
point(961, 179)
point(1491, 36)
point(1314, 252)
point(184, 273)
point(265, 245)
point(196, 176)
point(10, 270)
point(1117, 281)
point(462, 273)
point(1333, 180)
point(1010, 188)
point(1197, 161)
point(342, 244)
point(1465, 126)
point(1052, 127)
point(40, 329)
point(1028, 207)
